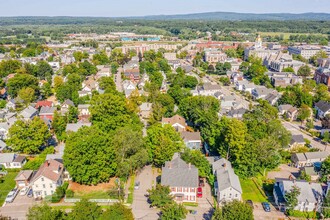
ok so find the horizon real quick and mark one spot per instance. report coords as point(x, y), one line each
point(104, 8)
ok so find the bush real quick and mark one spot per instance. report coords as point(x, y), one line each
point(65, 186)
point(58, 195)
point(69, 193)
point(296, 213)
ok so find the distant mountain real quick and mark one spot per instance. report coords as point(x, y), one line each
point(240, 16)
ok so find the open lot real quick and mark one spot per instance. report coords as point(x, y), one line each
point(7, 183)
point(99, 191)
point(251, 191)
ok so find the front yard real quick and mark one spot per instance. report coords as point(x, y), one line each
point(251, 191)
point(7, 183)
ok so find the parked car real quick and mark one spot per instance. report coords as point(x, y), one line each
point(24, 191)
point(250, 203)
point(266, 206)
point(201, 182)
point(137, 185)
point(30, 193)
point(11, 195)
point(199, 192)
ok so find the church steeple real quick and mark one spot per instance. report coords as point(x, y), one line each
point(258, 43)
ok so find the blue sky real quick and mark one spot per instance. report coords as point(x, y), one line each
point(115, 8)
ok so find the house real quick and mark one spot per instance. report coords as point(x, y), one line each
point(23, 178)
point(260, 92)
point(237, 113)
point(83, 111)
point(282, 109)
point(145, 110)
point(292, 113)
point(308, 158)
point(28, 113)
point(49, 176)
point(228, 101)
point(47, 112)
point(132, 74)
point(322, 108)
point(297, 141)
point(4, 128)
point(178, 122)
point(3, 146)
point(235, 77)
point(90, 84)
point(311, 171)
point(74, 127)
point(66, 105)
point(182, 178)
point(227, 185)
point(192, 139)
point(208, 89)
point(44, 103)
point(11, 104)
point(11, 160)
point(309, 199)
point(128, 87)
point(248, 87)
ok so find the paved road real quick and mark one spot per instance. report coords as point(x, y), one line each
point(18, 209)
point(294, 129)
point(140, 206)
point(118, 80)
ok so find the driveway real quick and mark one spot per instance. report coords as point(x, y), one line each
point(295, 129)
point(18, 209)
point(118, 80)
point(284, 172)
point(260, 214)
point(140, 206)
point(205, 205)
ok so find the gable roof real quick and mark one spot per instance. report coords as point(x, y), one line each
point(176, 119)
point(7, 157)
point(76, 126)
point(177, 173)
point(45, 110)
point(190, 136)
point(44, 103)
point(24, 175)
point(298, 138)
point(312, 155)
point(323, 106)
point(226, 176)
point(68, 102)
point(51, 169)
point(28, 112)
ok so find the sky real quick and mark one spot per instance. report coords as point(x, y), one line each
point(123, 8)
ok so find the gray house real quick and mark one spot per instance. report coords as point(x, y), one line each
point(192, 139)
point(182, 178)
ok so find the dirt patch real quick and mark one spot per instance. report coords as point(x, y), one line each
point(76, 187)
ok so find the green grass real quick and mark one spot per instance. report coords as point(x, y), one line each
point(192, 204)
point(131, 190)
point(64, 207)
point(251, 192)
point(7, 184)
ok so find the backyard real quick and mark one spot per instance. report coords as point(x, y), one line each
point(7, 183)
point(251, 191)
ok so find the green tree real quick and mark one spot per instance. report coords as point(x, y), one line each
point(59, 125)
point(160, 196)
point(28, 136)
point(325, 169)
point(46, 90)
point(288, 70)
point(100, 59)
point(231, 53)
point(173, 211)
point(118, 211)
point(9, 66)
point(89, 157)
point(234, 210)
point(225, 81)
point(162, 142)
point(291, 197)
point(305, 176)
point(304, 113)
point(43, 70)
point(20, 81)
point(107, 84)
point(27, 95)
point(304, 71)
point(72, 114)
point(44, 211)
point(85, 210)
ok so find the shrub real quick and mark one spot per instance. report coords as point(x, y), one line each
point(296, 213)
point(65, 186)
point(69, 193)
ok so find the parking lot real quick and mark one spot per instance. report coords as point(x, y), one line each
point(260, 214)
point(18, 209)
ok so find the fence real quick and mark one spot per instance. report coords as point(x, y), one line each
point(73, 200)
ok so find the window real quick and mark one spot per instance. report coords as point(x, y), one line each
point(180, 189)
point(52, 191)
point(192, 190)
point(51, 185)
point(43, 185)
point(236, 195)
point(36, 186)
point(230, 195)
point(45, 193)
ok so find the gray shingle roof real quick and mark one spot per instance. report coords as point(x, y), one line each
point(323, 106)
point(297, 139)
point(191, 136)
point(7, 157)
point(28, 112)
point(45, 110)
point(176, 173)
point(312, 155)
point(75, 126)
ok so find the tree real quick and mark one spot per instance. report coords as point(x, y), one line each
point(85, 210)
point(28, 136)
point(225, 81)
point(309, 124)
point(291, 197)
point(118, 211)
point(160, 196)
point(20, 81)
point(9, 66)
point(44, 211)
point(288, 69)
point(89, 157)
point(321, 93)
point(198, 159)
point(326, 137)
point(325, 169)
point(304, 71)
point(58, 81)
point(231, 53)
point(162, 142)
point(107, 84)
point(173, 211)
point(27, 95)
point(305, 176)
point(43, 70)
point(304, 113)
point(46, 90)
point(59, 125)
point(234, 210)
point(100, 59)
point(72, 114)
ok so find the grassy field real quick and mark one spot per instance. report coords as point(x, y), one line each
point(7, 184)
point(250, 191)
point(92, 195)
point(285, 35)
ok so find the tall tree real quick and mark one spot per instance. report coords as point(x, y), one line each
point(234, 210)
point(85, 210)
point(174, 211)
point(118, 211)
point(291, 197)
point(44, 211)
point(20, 81)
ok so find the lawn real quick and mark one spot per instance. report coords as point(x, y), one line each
point(101, 194)
point(250, 191)
point(7, 184)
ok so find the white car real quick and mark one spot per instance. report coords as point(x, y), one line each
point(11, 195)
point(24, 191)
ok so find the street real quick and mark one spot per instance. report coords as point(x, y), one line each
point(140, 207)
point(294, 129)
point(18, 209)
point(118, 80)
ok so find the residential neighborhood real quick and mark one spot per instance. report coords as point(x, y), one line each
point(161, 118)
